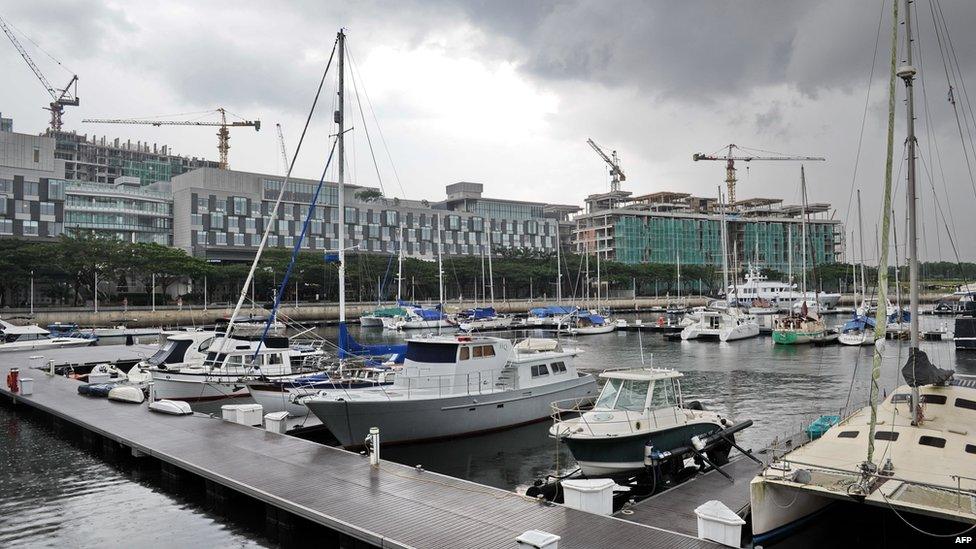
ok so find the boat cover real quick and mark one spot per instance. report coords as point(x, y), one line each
point(858, 323)
point(552, 310)
point(429, 314)
point(479, 313)
point(920, 371)
point(597, 320)
point(906, 316)
point(348, 346)
point(389, 312)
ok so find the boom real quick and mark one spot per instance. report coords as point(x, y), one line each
point(731, 158)
point(223, 136)
point(616, 174)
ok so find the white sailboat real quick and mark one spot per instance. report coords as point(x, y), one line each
point(923, 431)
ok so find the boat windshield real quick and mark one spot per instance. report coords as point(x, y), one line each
point(623, 394)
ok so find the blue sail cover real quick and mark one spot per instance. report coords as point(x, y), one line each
point(858, 323)
point(597, 320)
point(429, 314)
point(906, 316)
point(478, 313)
point(552, 310)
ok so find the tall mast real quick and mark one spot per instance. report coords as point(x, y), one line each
point(860, 236)
point(491, 271)
point(400, 267)
point(598, 281)
point(907, 73)
point(789, 254)
point(725, 253)
point(559, 268)
point(894, 234)
point(342, 171)
point(803, 228)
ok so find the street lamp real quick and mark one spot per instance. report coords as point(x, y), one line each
point(32, 293)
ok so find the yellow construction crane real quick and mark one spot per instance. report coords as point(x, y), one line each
point(223, 135)
point(62, 97)
point(747, 156)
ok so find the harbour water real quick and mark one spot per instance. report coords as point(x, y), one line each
point(54, 493)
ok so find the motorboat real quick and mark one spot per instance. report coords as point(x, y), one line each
point(226, 365)
point(456, 385)
point(857, 331)
point(32, 337)
point(375, 318)
point(586, 323)
point(639, 411)
point(729, 325)
point(482, 318)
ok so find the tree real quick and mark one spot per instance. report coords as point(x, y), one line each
point(368, 195)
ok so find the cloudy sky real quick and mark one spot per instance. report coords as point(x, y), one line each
point(506, 92)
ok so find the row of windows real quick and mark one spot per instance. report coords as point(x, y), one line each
point(541, 369)
point(115, 203)
point(477, 351)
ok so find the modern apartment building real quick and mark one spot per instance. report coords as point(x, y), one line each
point(31, 187)
point(221, 214)
point(668, 227)
point(125, 209)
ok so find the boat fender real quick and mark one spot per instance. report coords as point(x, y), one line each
point(697, 443)
point(724, 422)
point(802, 476)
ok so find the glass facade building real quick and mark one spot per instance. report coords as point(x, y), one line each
point(125, 210)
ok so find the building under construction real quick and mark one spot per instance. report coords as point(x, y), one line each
point(102, 160)
point(671, 227)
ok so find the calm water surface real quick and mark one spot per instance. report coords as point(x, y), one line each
point(55, 494)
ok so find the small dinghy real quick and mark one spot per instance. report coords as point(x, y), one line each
point(171, 407)
point(100, 390)
point(127, 393)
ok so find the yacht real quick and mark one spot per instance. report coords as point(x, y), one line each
point(780, 294)
point(283, 394)
point(376, 318)
point(728, 325)
point(638, 410)
point(545, 317)
point(456, 385)
point(419, 318)
point(226, 364)
point(797, 328)
point(32, 337)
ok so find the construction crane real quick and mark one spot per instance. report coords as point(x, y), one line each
point(730, 159)
point(616, 174)
point(62, 97)
point(223, 135)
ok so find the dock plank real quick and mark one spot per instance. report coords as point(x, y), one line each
point(392, 506)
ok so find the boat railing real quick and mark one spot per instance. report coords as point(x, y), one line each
point(576, 409)
point(471, 383)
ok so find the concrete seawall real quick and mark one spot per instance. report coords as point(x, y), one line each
point(171, 316)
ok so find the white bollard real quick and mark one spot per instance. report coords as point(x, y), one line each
point(374, 439)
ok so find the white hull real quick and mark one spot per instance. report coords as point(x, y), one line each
point(423, 324)
point(41, 344)
point(591, 330)
point(196, 387)
point(856, 339)
point(280, 401)
point(500, 323)
point(370, 321)
point(774, 508)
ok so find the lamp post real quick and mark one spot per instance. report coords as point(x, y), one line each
point(153, 290)
point(32, 293)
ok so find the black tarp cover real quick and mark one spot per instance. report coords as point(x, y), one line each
point(920, 371)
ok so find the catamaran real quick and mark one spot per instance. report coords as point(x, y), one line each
point(911, 454)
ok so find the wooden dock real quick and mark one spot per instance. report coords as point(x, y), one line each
point(675, 508)
point(389, 506)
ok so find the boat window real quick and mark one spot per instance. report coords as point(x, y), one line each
point(968, 404)
point(235, 360)
point(441, 353)
point(275, 358)
point(935, 442)
point(215, 359)
point(489, 350)
point(848, 434)
point(661, 396)
point(540, 370)
point(609, 394)
point(971, 448)
point(933, 399)
point(477, 351)
point(205, 345)
point(558, 367)
point(886, 435)
point(900, 397)
point(465, 353)
point(633, 394)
